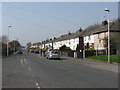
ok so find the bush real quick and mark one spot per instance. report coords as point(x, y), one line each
point(90, 49)
point(64, 48)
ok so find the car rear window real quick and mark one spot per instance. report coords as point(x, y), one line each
point(55, 52)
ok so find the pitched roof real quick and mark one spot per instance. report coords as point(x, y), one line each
point(65, 37)
point(114, 27)
point(94, 29)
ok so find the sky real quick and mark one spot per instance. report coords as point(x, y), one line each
point(38, 21)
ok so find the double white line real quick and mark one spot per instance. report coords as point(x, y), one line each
point(22, 64)
point(25, 61)
point(22, 61)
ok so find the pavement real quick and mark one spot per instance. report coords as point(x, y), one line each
point(97, 64)
point(33, 71)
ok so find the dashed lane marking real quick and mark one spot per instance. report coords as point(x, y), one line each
point(36, 83)
point(29, 69)
point(21, 62)
point(25, 61)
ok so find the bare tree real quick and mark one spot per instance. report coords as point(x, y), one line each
point(28, 45)
point(4, 39)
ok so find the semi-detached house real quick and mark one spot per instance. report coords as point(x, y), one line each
point(94, 35)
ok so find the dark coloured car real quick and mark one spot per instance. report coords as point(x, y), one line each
point(19, 52)
point(27, 51)
point(31, 50)
point(36, 51)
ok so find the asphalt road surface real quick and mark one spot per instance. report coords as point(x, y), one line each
point(33, 71)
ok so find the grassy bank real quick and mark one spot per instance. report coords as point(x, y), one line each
point(113, 58)
point(2, 56)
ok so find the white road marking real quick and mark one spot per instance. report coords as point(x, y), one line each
point(35, 81)
point(38, 87)
point(29, 69)
point(25, 61)
point(37, 84)
point(21, 62)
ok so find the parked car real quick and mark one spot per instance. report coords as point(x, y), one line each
point(27, 51)
point(31, 50)
point(19, 52)
point(47, 52)
point(53, 54)
point(36, 51)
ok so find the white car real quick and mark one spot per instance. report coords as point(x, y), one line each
point(53, 54)
point(47, 52)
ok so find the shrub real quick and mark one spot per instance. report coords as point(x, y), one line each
point(64, 48)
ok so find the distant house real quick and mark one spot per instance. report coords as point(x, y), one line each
point(36, 45)
point(70, 40)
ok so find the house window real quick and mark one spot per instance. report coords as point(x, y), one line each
point(66, 42)
point(98, 36)
point(99, 41)
point(88, 37)
point(85, 38)
point(69, 42)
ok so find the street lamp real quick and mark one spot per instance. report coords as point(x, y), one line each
point(14, 46)
point(8, 40)
point(108, 34)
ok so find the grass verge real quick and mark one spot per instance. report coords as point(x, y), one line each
point(113, 58)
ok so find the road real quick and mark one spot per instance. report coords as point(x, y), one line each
point(33, 71)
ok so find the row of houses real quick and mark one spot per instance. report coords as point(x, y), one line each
point(91, 37)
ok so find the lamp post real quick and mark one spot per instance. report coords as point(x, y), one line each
point(14, 46)
point(108, 34)
point(8, 40)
